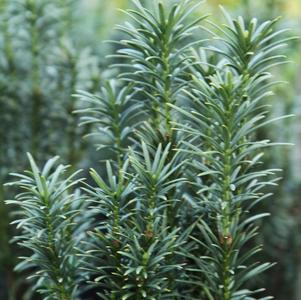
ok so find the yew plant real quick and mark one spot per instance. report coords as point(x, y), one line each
point(169, 211)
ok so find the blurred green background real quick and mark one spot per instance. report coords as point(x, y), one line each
point(51, 49)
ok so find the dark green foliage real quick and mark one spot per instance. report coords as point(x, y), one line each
point(132, 245)
point(115, 115)
point(51, 228)
point(159, 40)
point(176, 213)
point(227, 111)
point(279, 232)
point(113, 205)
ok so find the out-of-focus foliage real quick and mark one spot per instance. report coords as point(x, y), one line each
point(48, 50)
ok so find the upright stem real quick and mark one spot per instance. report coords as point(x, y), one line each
point(226, 201)
point(151, 206)
point(155, 111)
point(167, 88)
point(59, 278)
point(117, 135)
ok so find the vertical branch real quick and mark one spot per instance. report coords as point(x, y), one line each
point(50, 236)
point(227, 114)
point(36, 92)
point(115, 115)
point(155, 54)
